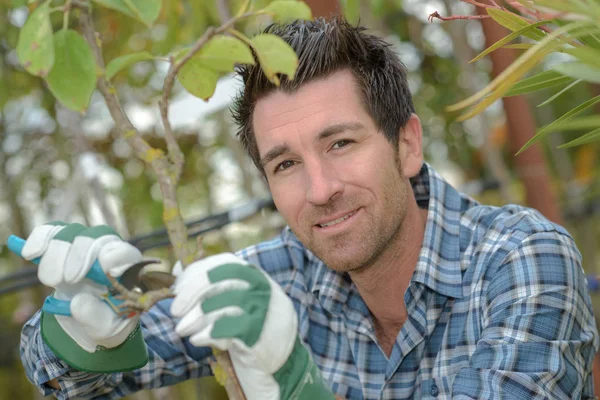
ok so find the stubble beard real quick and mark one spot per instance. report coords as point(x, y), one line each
point(359, 249)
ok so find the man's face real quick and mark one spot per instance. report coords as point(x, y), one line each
point(334, 177)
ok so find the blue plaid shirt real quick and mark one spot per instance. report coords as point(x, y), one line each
point(498, 308)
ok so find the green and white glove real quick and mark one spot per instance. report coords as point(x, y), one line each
point(77, 324)
point(226, 303)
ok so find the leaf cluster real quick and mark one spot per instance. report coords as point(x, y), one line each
point(66, 62)
point(567, 27)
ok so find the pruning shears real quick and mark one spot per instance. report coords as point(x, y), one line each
point(132, 279)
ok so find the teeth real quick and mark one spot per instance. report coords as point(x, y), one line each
point(337, 221)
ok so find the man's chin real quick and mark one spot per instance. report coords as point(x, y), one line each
point(339, 262)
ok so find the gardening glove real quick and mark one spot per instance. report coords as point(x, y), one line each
point(78, 322)
point(226, 303)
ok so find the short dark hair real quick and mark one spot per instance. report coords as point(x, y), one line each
point(325, 46)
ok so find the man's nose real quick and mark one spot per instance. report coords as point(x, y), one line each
point(323, 183)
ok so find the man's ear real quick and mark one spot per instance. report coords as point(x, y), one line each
point(410, 147)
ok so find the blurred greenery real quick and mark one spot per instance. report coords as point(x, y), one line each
point(56, 163)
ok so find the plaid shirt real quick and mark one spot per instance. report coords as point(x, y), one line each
point(498, 308)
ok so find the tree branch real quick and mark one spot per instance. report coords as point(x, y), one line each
point(167, 173)
point(174, 152)
point(522, 9)
point(153, 157)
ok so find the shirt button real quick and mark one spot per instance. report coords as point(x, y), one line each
point(434, 391)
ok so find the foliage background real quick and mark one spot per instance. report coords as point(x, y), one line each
point(58, 164)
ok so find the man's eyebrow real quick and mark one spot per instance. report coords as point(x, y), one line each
point(338, 128)
point(273, 154)
point(325, 133)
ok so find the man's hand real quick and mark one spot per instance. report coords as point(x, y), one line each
point(87, 326)
point(229, 304)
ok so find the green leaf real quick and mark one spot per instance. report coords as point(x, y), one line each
point(564, 90)
point(591, 122)
point(589, 137)
point(515, 23)
point(289, 10)
point(244, 8)
point(586, 55)
point(147, 11)
point(351, 10)
point(539, 81)
point(35, 47)
point(200, 73)
point(519, 46)
point(579, 71)
point(125, 61)
point(509, 38)
point(275, 56)
point(546, 130)
point(72, 80)
point(562, 5)
point(503, 82)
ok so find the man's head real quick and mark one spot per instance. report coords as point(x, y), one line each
point(324, 47)
point(338, 144)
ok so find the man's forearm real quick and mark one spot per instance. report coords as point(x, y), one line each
point(53, 384)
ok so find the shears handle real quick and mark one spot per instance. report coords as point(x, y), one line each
point(63, 307)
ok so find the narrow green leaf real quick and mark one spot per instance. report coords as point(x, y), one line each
point(509, 38)
point(72, 80)
point(590, 122)
point(125, 61)
point(289, 10)
point(579, 71)
point(35, 47)
point(546, 130)
point(507, 81)
point(539, 81)
point(275, 56)
point(146, 11)
point(589, 137)
point(537, 52)
point(519, 46)
point(586, 55)
point(564, 90)
point(200, 73)
point(561, 5)
point(515, 23)
point(244, 8)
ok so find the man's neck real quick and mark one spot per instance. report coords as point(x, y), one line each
point(382, 285)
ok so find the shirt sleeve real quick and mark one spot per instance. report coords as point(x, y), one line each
point(171, 360)
point(539, 335)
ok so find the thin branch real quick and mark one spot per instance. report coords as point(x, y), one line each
point(437, 15)
point(176, 228)
point(175, 154)
point(494, 5)
point(153, 157)
point(223, 10)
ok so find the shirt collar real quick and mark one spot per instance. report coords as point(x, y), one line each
point(439, 265)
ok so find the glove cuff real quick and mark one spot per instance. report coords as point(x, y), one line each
point(131, 354)
point(300, 379)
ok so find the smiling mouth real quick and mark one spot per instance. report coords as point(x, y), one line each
point(337, 221)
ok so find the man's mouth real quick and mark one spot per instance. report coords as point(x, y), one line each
point(337, 220)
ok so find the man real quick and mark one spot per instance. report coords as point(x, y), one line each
point(397, 285)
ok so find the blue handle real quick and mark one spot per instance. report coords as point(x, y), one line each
point(63, 307)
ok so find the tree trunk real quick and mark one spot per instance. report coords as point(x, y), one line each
point(531, 164)
point(324, 8)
